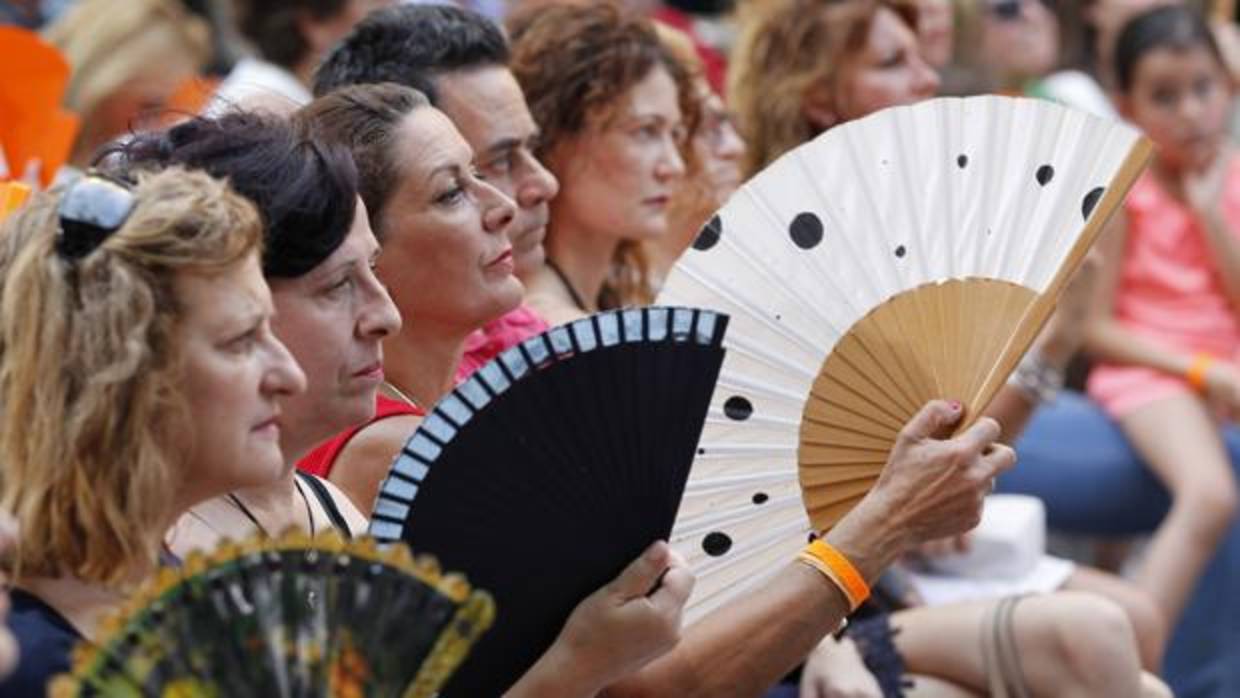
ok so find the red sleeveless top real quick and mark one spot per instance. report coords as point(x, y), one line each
point(323, 457)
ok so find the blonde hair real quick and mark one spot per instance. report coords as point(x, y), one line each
point(109, 43)
point(92, 421)
point(784, 48)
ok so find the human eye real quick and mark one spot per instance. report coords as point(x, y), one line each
point(451, 195)
point(497, 166)
point(243, 343)
point(344, 283)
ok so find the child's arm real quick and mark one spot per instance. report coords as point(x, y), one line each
point(1204, 193)
point(1108, 340)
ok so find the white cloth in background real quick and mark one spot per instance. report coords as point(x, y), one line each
point(1006, 556)
point(255, 82)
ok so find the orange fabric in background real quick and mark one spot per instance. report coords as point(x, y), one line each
point(33, 79)
point(12, 195)
point(189, 100)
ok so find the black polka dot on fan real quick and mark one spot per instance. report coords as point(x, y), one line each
point(901, 251)
point(716, 544)
point(806, 230)
point(1091, 200)
point(760, 497)
point(709, 235)
point(962, 161)
point(1045, 174)
point(738, 408)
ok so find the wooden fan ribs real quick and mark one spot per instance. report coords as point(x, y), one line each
point(942, 235)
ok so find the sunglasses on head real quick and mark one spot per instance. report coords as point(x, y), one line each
point(91, 209)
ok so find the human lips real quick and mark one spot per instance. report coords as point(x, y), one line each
point(371, 371)
point(502, 262)
point(269, 426)
point(658, 201)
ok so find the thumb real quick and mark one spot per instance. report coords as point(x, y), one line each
point(674, 590)
point(642, 574)
point(935, 421)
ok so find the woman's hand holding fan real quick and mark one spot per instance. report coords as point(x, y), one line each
point(929, 489)
point(616, 630)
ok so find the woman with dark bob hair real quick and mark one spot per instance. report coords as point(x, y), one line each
point(613, 104)
point(331, 311)
point(139, 376)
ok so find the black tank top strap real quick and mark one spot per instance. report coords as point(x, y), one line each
point(325, 499)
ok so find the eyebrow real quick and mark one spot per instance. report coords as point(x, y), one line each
point(452, 168)
point(503, 145)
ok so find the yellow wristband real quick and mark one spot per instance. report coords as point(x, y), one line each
point(834, 566)
point(1196, 373)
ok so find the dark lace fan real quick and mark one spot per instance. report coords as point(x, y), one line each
point(288, 618)
point(552, 467)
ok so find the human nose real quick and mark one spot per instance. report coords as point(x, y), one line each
point(538, 185)
point(498, 210)
point(379, 317)
point(283, 376)
point(927, 78)
point(670, 164)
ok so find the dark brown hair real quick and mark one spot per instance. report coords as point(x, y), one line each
point(366, 119)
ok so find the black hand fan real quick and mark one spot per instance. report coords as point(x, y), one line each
point(554, 466)
point(293, 618)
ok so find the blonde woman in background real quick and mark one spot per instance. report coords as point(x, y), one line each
point(128, 59)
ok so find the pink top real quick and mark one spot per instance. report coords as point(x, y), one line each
point(487, 343)
point(1169, 291)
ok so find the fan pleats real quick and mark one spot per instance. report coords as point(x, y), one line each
point(900, 258)
point(553, 467)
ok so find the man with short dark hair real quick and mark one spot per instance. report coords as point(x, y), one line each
point(459, 60)
point(929, 489)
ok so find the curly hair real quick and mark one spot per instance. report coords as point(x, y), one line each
point(783, 48)
point(92, 433)
point(574, 63)
point(412, 45)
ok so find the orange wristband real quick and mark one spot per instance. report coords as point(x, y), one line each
point(834, 566)
point(1196, 373)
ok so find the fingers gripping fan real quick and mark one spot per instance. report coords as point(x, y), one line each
point(289, 618)
point(904, 257)
point(553, 467)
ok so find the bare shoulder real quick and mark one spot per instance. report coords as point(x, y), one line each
point(366, 459)
point(356, 519)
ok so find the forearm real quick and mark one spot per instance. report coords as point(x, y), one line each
point(554, 675)
point(1111, 342)
point(1012, 409)
point(1226, 255)
point(746, 647)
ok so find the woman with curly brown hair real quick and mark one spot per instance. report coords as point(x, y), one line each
point(611, 102)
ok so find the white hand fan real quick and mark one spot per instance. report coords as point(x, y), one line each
point(907, 256)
